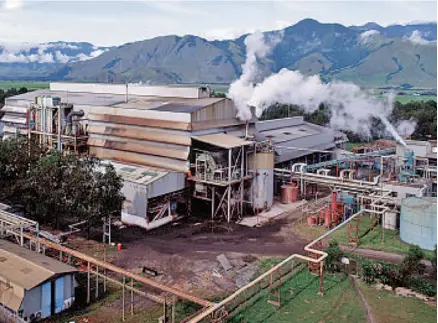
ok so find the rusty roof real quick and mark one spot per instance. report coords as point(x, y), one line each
point(27, 268)
point(223, 140)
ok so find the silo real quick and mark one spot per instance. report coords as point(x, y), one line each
point(261, 165)
point(418, 221)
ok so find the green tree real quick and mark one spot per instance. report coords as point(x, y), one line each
point(411, 264)
point(17, 157)
point(334, 254)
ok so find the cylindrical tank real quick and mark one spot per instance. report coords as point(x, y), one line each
point(286, 194)
point(418, 221)
point(261, 165)
point(390, 222)
point(328, 218)
point(311, 220)
point(294, 194)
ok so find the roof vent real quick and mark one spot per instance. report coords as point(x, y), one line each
point(26, 270)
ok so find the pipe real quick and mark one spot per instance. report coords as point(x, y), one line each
point(308, 248)
point(111, 267)
point(69, 118)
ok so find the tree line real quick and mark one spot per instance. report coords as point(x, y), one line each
point(56, 189)
point(423, 112)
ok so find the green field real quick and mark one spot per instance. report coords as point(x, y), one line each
point(387, 307)
point(27, 84)
point(409, 98)
point(300, 302)
point(367, 239)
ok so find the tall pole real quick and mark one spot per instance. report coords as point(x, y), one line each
point(242, 174)
point(59, 129)
point(229, 187)
point(88, 283)
point(123, 299)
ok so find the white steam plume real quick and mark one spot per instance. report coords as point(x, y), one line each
point(351, 108)
point(241, 90)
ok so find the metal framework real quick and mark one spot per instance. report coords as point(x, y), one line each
point(222, 185)
point(53, 127)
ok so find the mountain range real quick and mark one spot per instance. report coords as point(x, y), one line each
point(369, 55)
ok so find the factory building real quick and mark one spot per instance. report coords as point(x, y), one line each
point(170, 144)
point(298, 141)
point(34, 286)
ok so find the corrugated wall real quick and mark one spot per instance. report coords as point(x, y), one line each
point(418, 222)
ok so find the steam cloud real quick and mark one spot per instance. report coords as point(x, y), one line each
point(351, 108)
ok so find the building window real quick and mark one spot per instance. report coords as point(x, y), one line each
point(410, 195)
point(394, 194)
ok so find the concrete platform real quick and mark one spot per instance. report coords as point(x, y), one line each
point(276, 210)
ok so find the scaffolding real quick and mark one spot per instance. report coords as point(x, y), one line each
point(57, 125)
point(219, 176)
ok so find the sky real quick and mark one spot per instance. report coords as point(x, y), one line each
point(108, 23)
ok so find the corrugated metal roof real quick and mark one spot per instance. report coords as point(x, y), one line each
point(223, 140)
point(141, 133)
point(138, 146)
point(27, 268)
point(279, 123)
point(11, 299)
point(283, 134)
point(140, 159)
point(188, 106)
point(138, 174)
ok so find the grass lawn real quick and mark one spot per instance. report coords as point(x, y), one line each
point(27, 84)
point(389, 308)
point(109, 310)
point(368, 239)
point(408, 98)
point(300, 302)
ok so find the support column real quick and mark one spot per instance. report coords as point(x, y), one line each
point(88, 283)
point(229, 187)
point(229, 204)
point(21, 235)
point(242, 181)
point(132, 296)
point(97, 282)
point(123, 299)
point(321, 278)
point(212, 202)
point(104, 271)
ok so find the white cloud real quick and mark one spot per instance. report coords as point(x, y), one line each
point(6, 57)
point(369, 33)
point(417, 38)
point(225, 33)
point(83, 57)
point(60, 57)
point(12, 4)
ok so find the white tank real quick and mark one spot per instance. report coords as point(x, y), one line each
point(261, 165)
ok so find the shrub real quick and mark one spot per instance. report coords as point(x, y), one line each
point(420, 285)
point(411, 264)
point(334, 254)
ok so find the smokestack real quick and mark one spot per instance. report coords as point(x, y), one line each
point(126, 93)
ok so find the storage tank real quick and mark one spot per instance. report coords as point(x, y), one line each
point(418, 221)
point(261, 165)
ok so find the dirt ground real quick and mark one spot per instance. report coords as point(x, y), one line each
point(184, 253)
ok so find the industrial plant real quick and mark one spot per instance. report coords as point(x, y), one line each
point(180, 151)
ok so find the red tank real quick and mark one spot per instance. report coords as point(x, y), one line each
point(294, 194)
point(328, 218)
